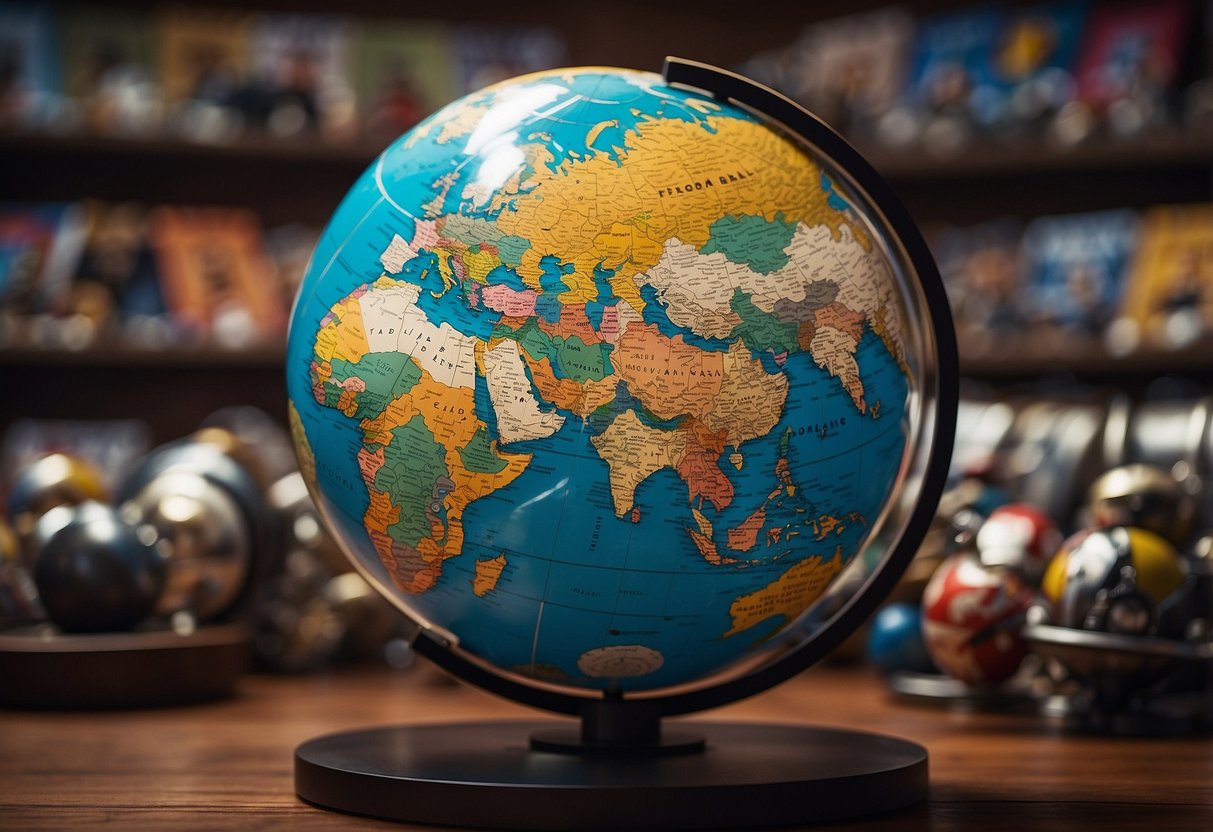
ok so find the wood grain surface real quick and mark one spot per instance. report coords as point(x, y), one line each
point(229, 764)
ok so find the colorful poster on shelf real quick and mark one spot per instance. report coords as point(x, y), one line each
point(40, 246)
point(982, 270)
point(951, 58)
point(1132, 50)
point(852, 69)
point(301, 76)
point(117, 282)
point(1170, 291)
point(213, 269)
point(487, 54)
point(31, 85)
point(1032, 62)
point(403, 71)
point(204, 53)
point(1076, 267)
point(111, 70)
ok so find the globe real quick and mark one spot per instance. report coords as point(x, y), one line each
point(613, 385)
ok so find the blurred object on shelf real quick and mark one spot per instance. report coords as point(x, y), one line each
point(401, 74)
point(254, 439)
point(94, 572)
point(849, 71)
point(972, 617)
point(19, 602)
point(50, 481)
point(1033, 61)
point(1130, 62)
point(1105, 285)
point(289, 248)
point(1114, 580)
point(39, 247)
point(950, 63)
point(1075, 271)
point(109, 446)
point(315, 611)
point(110, 71)
point(202, 538)
point(299, 80)
point(485, 54)
point(1052, 453)
point(204, 62)
point(1174, 435)
point(1128, 641)
point(998, 74)
point(116, 290)
point(1019, 537)
point(92, 273)
point(214, 267)
point(1169, 296)
point(1142, 496)
point(895, 640)
point(31, 88)
point(982, 428)
point(982, 269)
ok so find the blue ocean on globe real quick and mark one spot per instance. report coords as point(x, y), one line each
point(601, 380)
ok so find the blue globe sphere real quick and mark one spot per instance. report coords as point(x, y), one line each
point(604, 382)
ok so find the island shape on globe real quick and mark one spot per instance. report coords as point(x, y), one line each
point(603, 379)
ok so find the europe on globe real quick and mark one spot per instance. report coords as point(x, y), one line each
point(602, 380)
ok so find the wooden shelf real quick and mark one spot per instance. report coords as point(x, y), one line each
point(981, 158)
point(1010, 357)
point(1004, 357)
point(260, 356)
point(1163, 149)
point(252, 148)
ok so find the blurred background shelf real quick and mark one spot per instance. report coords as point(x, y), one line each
point(298, 181)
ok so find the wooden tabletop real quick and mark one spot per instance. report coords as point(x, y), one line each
point(229, 764)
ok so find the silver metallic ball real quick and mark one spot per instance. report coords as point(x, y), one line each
point(197, 527)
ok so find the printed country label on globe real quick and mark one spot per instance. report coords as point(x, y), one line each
point(604, 378)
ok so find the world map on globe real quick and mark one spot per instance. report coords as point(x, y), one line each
point(602, 379)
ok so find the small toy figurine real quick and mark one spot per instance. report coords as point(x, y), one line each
point(1127, 645)
point(895, 641)
point(1113, 580)
point(1019, 537)
point(972, 618)
point(1145, 497)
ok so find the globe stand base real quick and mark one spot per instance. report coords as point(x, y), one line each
point(489, 775)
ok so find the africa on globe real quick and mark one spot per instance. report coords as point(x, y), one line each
point(602, 380)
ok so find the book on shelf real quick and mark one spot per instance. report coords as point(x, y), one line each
point(851, 70)
point(1075, 270)
point(1170, 293)
point(31, 85)
point(111, 70)
point(485, 54)
point(299, 78)
point(401, 74)
point(982, 270)
point(39, 246)
point(1031, 65)
point(213, 270)
point(1130, 61)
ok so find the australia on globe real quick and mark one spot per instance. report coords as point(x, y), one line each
point(601, 379)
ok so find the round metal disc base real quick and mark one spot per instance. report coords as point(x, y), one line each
point(486, 774)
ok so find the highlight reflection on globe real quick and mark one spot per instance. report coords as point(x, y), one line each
point(604, 381)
